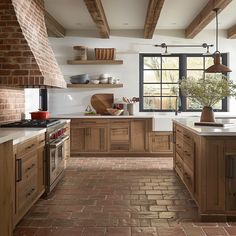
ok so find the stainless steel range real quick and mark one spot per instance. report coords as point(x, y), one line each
point(55, 147)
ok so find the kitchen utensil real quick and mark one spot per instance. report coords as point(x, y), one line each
point(80, 79)
point(39, 115)
point(114, 111)
point(100, 102)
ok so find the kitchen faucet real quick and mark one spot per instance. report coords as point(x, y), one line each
point(177, 105)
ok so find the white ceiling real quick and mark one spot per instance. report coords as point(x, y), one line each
point(130, 14)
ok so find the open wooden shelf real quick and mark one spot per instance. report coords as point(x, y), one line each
point(94, 85)
point(95, 62)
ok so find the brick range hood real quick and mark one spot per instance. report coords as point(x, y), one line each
point(26, 58)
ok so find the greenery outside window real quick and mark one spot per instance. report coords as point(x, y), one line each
point(159, 74)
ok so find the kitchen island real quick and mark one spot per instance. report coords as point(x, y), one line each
point(204, 159)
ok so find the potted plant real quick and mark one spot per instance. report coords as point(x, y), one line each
point(207, 92)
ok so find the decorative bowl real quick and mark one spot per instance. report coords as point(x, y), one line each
point(114, 111)
point(94, 81)
point(80, 79)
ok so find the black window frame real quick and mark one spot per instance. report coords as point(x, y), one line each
point(182, 73)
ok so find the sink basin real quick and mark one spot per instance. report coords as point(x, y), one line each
point(164, 123)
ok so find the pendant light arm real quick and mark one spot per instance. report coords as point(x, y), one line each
point(217, 29)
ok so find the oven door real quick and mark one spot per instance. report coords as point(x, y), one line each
point(57, 158)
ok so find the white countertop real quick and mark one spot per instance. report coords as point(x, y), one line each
point(81, 116)
point(208, 130)
point(19, 134)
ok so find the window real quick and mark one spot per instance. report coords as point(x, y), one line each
point(160, 75)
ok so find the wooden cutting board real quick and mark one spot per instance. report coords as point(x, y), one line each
point(101, 101)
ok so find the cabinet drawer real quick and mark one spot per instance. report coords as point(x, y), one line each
point(188, 138)
point(26, 194)
point(41, 139)
point(188, 154)
point(179, 130)
point(26, 167)
point(188, 178)
point(27, 146)
point(119, 134)
point(119, 147)
point(88, 122)
point(179, 146)
point(179, 166)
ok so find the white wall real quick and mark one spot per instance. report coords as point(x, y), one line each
point(63, 101)
point(31, 101)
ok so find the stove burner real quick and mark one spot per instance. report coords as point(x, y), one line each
point(32, 123)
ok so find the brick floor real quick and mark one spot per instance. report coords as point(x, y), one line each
point(118, 197)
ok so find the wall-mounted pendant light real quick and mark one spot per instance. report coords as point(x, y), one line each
point(217, 67)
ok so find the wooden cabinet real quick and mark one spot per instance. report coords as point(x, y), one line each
point(184, 157)
point(139, 135)
point(6, 188)
point(161, 142)
point(118, 136)
point(206, 165)
point(29, 174)
point(88, 136)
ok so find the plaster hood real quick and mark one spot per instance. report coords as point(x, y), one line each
point(26, 57)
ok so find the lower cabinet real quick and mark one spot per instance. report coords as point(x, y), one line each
point(88, 136)
point(161, 142)
point(29, 174)
point(116, 136)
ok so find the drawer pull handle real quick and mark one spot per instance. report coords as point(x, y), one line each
point(30, 192)
point(29, 168)
point(19, 170)
point(30, 146)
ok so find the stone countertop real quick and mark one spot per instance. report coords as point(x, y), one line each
point(81, 116)
point(208, 130)
point(19, 134)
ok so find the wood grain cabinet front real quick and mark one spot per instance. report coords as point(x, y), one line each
point(88, 136)
point(118, 136)
point(29, 174)
point(161, 142)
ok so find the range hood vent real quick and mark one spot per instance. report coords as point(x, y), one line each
point(26, 57)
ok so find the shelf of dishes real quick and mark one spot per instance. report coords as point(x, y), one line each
point(94, 85)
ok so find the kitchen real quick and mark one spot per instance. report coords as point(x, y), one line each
point(119, 179)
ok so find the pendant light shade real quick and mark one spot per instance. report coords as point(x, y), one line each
point(217, 67)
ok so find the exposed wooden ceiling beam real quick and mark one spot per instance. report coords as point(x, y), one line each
point(153, 14)
point(53, 27)
point(97, 13)
point(205, 17)
point(231, 32)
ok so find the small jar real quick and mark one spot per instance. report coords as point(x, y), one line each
point(81, 53)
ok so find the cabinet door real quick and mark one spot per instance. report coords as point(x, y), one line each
point(77, 141)
point(161, 142)
point(138, 136)
point(215, 175)
point(95, 139)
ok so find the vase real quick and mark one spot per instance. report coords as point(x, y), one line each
point(207, 115)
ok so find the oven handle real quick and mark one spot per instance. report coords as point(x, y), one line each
point(56, 144)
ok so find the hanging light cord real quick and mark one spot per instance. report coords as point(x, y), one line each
point(217, 29)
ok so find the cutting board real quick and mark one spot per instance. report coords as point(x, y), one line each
point(101, 101)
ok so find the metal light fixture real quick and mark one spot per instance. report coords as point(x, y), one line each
point(165, 46)
point(217, 67)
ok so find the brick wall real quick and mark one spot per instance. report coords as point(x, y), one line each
point(26, 58)
point(12, 104)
